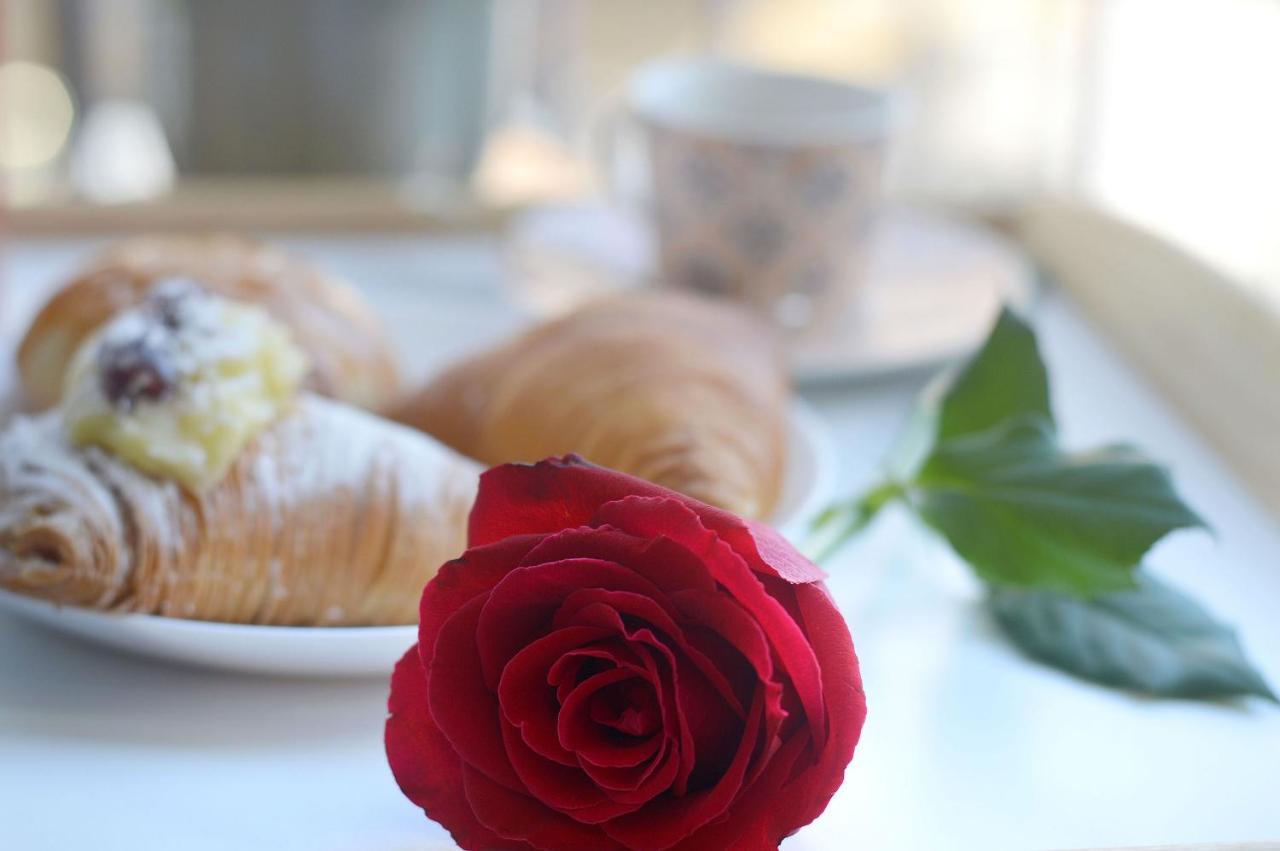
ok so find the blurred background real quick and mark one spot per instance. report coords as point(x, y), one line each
point(419, 111)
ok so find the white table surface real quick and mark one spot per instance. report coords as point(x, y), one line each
point(967, 745)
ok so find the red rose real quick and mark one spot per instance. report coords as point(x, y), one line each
point(612, 665)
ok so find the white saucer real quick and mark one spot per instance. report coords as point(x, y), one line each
point(931, 290)
point(365, 651)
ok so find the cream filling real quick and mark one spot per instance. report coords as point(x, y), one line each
point(211, 378)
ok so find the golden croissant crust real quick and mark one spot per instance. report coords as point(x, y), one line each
point(330, 517)
point(347, 345)
point(683, 392)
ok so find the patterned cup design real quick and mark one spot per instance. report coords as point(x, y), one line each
point(783, 228)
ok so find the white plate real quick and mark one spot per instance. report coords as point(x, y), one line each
point(364, 651)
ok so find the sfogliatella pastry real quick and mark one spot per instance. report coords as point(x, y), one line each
point(348, 348)
point(185, 475)
point(684, 392)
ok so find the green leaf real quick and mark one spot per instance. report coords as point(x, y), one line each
point(1006, 379)
point(981, 464)
point(1023, 512)
point(1153, 639)
point(1057, 535)
point(1003, 380)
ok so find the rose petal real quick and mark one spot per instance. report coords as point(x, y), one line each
point(707, 706)
point(527, 698)
point(587, 739)
point(806, 796)
point(463, 707)
point(663, 562)
point(511, 814)
point(474, 573)
point(674, 722)
point(567, 671)
point(727, 622)
point(555, 494)
point(767, 551)
point(425, 767)
point(777, 804)
point(639, 782)
point(591, 607)
point(560, 493)
point(723, 617)
point(666, 821)
point(521, 606)
point(627, 710)
point(714, 728)
point(661, 666)
point(567, 790)
point(632, 786)
point(564, 788)
point(577, 725)
point(603, 608)
point(645, 517)
point(750, 820)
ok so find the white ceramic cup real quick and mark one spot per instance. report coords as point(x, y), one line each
point(762, 186)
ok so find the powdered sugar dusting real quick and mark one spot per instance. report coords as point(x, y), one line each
point(139, 543)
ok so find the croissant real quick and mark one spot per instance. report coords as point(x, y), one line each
point(684, 392)
point(345, 342)
point(329, 517)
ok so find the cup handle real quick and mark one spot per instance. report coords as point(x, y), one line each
point(621, 158)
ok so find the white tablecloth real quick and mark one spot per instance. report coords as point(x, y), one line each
point(967, 745)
